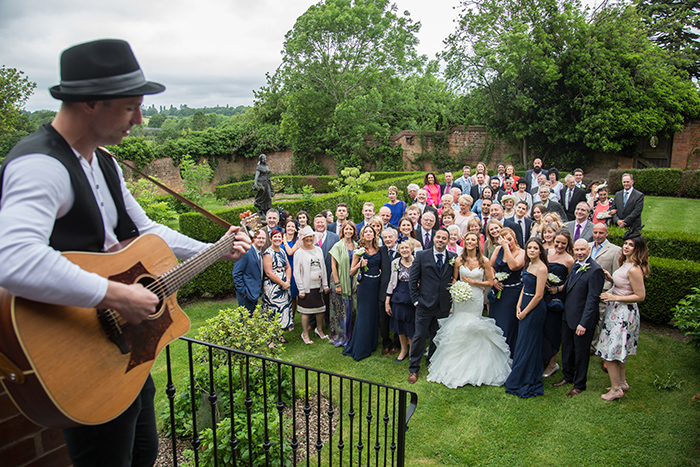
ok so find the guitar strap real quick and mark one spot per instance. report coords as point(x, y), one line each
point(214, 218)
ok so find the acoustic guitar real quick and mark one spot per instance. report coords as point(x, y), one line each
point(67, 366)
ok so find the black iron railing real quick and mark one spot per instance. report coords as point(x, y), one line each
point(246, 409)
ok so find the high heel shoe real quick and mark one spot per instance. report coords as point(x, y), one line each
point(554, 370)
point(624, 386)
point(319, 334)
point(612, 395)
point(306, 339)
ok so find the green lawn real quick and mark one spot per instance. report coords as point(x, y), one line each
point(485, 426)
point(671, 214)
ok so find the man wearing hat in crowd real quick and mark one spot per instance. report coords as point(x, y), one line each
point(59, 192)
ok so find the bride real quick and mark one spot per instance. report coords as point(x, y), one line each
point(471, 349)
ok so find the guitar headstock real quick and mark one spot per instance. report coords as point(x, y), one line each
point(250, 222)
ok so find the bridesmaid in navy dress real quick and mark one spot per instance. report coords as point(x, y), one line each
point(525, 379)
point(507, 258)
point(366, 329)
point(561, 260)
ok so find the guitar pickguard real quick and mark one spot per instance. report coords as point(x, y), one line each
point(149, 332)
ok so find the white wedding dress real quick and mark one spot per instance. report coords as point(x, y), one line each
point(471, 349)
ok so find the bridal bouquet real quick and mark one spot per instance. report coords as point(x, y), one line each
point(359, 252)
point(553, 279)
point(461, 291)
point(500, 277)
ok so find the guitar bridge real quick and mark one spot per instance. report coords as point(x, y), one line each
point(110, 325)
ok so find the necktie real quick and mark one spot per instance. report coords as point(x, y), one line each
point(427, 240)
point(624, 198)
point(577, 233)
point(439, 261)
point(568, 198)
point(522, 229)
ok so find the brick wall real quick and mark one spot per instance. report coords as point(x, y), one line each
point(686, 144)
point(24, 444)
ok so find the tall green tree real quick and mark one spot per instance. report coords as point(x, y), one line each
point(563, 84)
point(342, 64)
point(675, 25)
point(15, 89)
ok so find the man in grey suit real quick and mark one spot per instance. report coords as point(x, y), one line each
point(429, 279)
point(628, 205)
point(551, 205)
point(581, 227)
point(607, 255)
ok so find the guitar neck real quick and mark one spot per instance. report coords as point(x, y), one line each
point(183, 272)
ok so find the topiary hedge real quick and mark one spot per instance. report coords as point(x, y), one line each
point(659, 182)
point(672, 245)
point(234, 191)
point(291, 183)
point(670, 281)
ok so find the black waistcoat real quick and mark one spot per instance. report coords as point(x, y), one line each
point(81, 229)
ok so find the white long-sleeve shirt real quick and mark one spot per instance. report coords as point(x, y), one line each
point(36, 190)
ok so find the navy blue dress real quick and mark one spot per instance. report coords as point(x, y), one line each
point(551, 340)
point(366, 330)
point(503, 309)
point(525, 379)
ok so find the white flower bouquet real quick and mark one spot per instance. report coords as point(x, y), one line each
point(461, 291)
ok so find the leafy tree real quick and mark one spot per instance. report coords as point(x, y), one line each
point(195, 177)
point(342, 65)
point(15, 89)
point(156, 121)
point(674, 26)
point(562, 85)
point(199, 121)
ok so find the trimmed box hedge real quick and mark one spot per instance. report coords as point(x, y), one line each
point(659, 182)
point(670, 280)
point(243, 190)
point(672, 245)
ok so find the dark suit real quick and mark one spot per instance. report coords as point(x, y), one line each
point(247, 277)
point(528, 177)
point(445, 190)
point(583, 291)
point(420, 233)
point(428, 286)
point(520, 236)
point(475, 193)
point(387, 257)
point(577, 196)
point(553, 206)
point(631, 212)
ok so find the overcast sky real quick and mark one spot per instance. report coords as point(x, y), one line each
point(207, 52)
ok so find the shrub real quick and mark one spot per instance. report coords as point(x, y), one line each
point(686, 315)
point(149, 198)
point(659, 182)
point(351, 180)
point(234, 191)
point(670, 281)
point(674, 245)
point(195, 177)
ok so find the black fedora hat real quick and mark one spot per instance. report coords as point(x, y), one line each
point(100, 70)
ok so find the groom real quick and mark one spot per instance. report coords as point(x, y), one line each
point(428, 282)
point(583, 288)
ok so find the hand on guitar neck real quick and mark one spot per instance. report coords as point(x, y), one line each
point(135, 303)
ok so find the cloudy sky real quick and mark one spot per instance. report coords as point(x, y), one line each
point(206, 52)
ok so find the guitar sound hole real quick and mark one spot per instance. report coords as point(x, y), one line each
point(152, 284)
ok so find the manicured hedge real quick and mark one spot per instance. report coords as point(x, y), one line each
point(235, 191)
point(659, 182)
point(672, 245)
point(399, 182)
point(670, 281)
point(295, 183)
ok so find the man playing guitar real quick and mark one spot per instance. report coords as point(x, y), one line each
point(58, 193)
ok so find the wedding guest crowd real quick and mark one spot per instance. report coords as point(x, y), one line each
point(541, 282)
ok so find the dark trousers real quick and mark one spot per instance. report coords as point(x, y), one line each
point(426, 326)
point(575, 354)
point(384, 331)
point(131, 439)
point(246, 302)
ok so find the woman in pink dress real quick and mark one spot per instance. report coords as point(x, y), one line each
point(619, 332)
point(433, 189)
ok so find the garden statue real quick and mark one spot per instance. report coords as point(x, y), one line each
point(263, 186)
